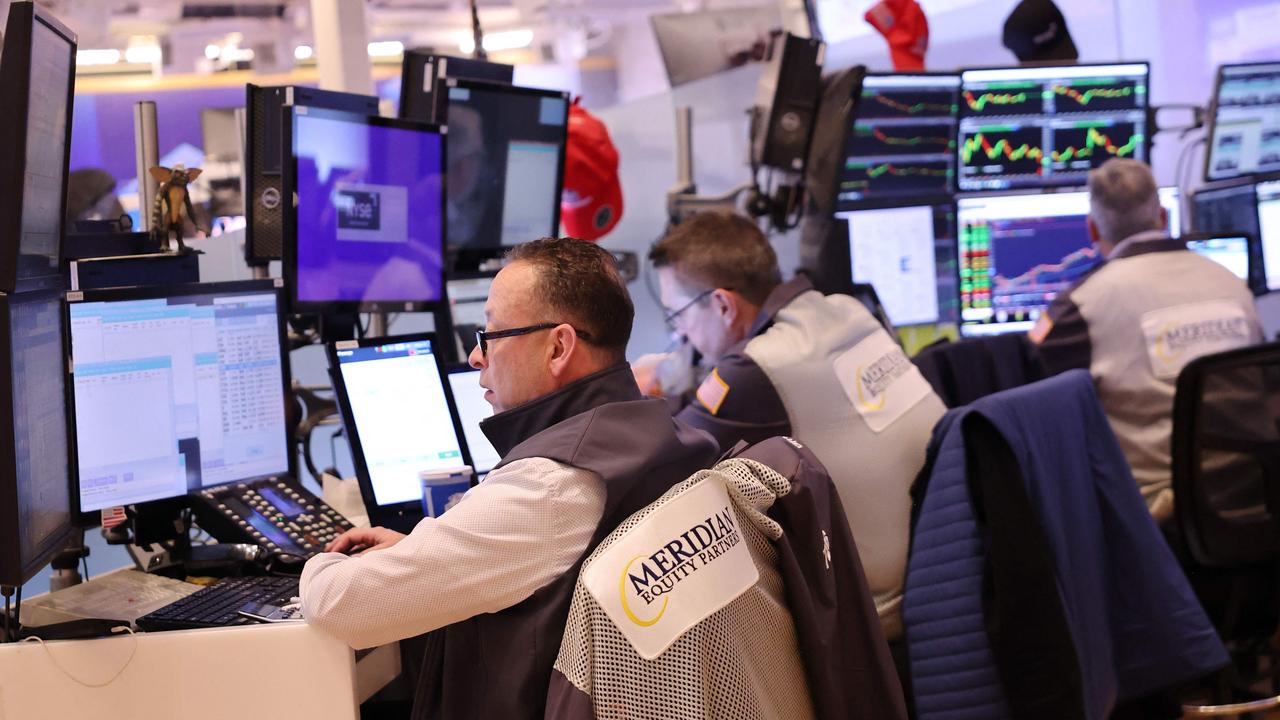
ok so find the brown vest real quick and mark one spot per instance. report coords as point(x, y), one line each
point(498, 665)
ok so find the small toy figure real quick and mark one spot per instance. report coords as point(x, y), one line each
point(171, 198)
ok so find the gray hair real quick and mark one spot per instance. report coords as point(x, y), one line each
point(1123, 199)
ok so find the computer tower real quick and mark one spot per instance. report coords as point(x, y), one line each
point(787, 103)
point(265, 154)
point(422, 70)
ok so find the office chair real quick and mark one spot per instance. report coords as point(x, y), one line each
point(1226, 481)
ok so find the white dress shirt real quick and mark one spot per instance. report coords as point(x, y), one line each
point(520, 529)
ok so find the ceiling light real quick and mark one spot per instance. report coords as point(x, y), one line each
point(102, 56)
point(143, 54)
point(386, 48)
point(212, 52)
point(497, 42)
point(303, 52)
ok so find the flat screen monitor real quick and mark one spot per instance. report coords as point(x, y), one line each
point(1268, 194)
point(1048, 126)
point(901, 143)
point(1017, 252)
point(1226, 209)
point(177, 389)
point(422, 71)
point(1244, 122)
point(35, 458)
point(468, 396)
point(37, 82)
point(366, 230)
point(399, 416)
point(1234, 252)
point(506, 163)
point(908, 254)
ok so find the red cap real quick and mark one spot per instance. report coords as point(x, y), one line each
point(904, 25)
point(592, 200)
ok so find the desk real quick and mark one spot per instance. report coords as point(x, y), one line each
point(284, 670)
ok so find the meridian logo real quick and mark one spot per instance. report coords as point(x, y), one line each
point(676, 560)
point(873, 380)
point(1175, 339)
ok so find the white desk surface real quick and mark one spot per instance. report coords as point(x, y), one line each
point(282, 670)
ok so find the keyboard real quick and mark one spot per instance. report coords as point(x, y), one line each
point(218, 605)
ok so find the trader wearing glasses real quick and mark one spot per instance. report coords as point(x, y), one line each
point(788, 361)
point(582, 450)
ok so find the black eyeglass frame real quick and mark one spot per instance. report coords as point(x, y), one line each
point(670, 317)
point(484, 336)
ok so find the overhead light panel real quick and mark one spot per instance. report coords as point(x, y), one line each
point(386, 48)
point(498, 41)
point(100, 56)
point(143, 55)
point(303, 52)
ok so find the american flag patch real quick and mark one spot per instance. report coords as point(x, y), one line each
point(113, 516)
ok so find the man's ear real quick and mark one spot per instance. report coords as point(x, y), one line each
point(161, 174)
point(564, 343)
point(725, 305)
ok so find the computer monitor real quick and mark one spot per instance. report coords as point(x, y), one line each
point(1268, 197)
point(1244, 122)
point(909, 255)
point(902, 141)
point(177, 389)
point(1234, 252)
point(468, 397)
point(35, 458)
point(1017, 252)
point(1225, 209)
point(366, 229)
point(506, 163)
point(37, 82)
point(1048, 126)
point(399, 417)
point(422, 71)
point(265, 154)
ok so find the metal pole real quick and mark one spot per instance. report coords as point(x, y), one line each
point(146, 145)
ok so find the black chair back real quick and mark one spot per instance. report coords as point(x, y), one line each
point(1226, 457)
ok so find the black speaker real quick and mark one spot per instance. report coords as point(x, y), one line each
point(787, 103)
point(265, 154)
point(421, 71)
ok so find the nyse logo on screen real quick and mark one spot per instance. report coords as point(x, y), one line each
point(359, 210)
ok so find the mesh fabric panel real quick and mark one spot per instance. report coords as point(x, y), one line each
point(740, 663)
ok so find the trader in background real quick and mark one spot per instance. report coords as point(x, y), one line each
point(582, 450)
point(1138, 318)
point(789, 361)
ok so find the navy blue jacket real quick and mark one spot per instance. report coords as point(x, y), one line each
point(1029, 517)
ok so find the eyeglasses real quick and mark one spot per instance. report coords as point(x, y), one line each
point(670, 317)
point(484, 336)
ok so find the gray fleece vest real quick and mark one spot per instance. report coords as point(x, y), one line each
point(498, 665)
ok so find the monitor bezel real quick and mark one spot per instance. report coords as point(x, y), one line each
point(15, 105)
point(15, 570)
point(290, 218)
point(91, 518)
point(846, 253)
point(1257, 270)
point(486, 251)
point(1147, 139)
point(1211, 126)
point(402, 515)
point(902, 200)
point(451, 369)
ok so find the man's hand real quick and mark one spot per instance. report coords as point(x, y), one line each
point(363, 540)
point(645, 368)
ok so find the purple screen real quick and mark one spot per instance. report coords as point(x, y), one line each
point(369, 211)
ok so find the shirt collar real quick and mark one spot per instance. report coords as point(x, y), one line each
point(512, 427)
point(1148, 241)
point(778, 299)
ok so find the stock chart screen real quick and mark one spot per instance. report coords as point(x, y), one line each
point(901, 140)
point(1048, 126)
point(1245, 134)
